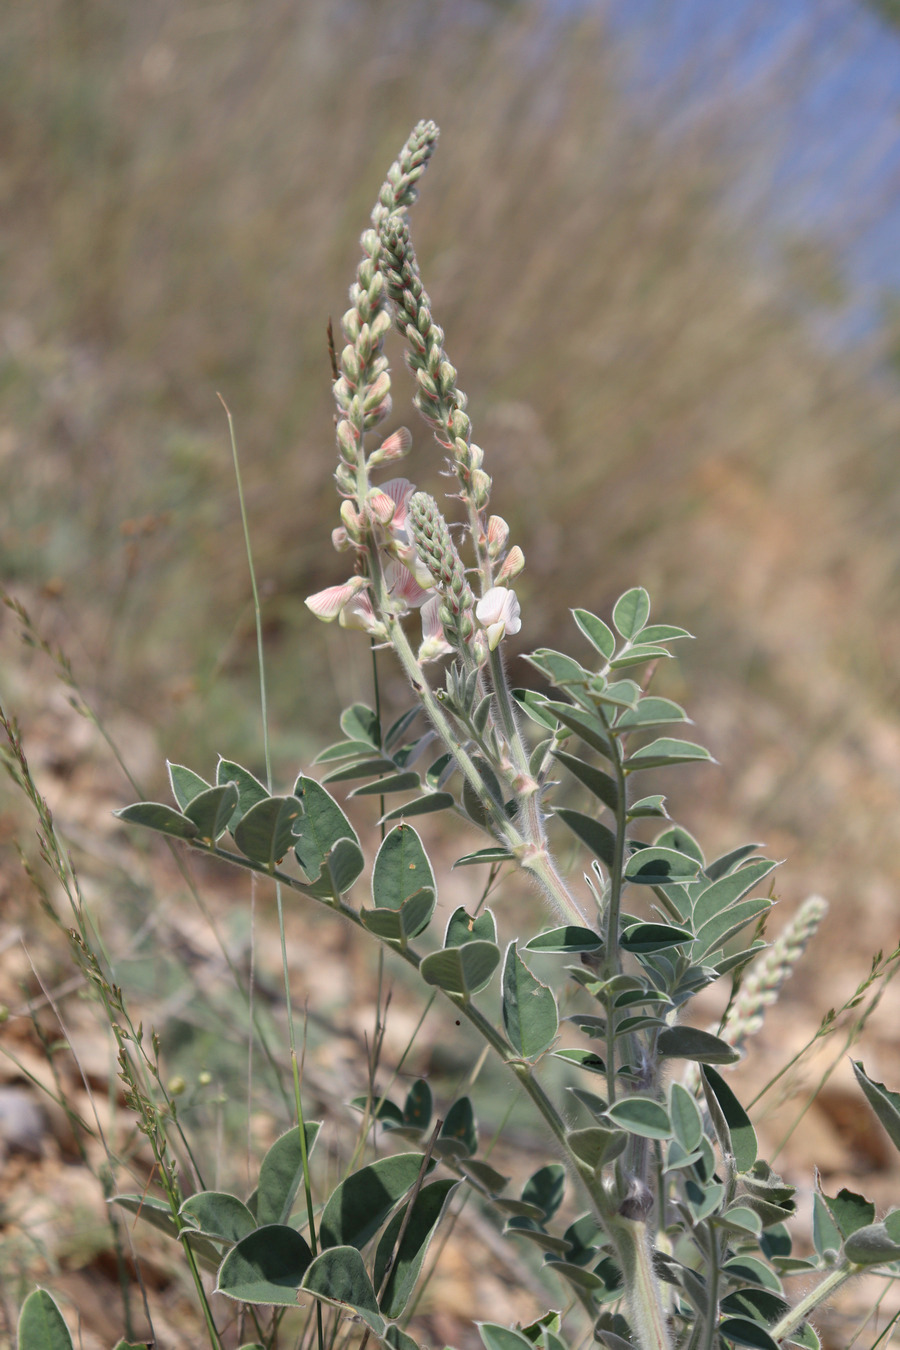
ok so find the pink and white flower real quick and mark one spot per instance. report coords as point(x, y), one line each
point(498, 613)
point(328, 604)
point(434, 644)
point(403, 588)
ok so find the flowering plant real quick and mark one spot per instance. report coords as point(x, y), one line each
point(681, 1235)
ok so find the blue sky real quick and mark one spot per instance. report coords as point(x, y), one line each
point(816, 84)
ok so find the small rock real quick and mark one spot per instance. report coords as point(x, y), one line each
point(22, 1122)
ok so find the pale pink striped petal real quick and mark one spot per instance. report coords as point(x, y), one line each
point(328, 604)
point(434, 644)
point(402, 586)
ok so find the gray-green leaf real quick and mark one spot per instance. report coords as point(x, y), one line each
point(529, 1008)
point(41, 1324)
point(266, 1267)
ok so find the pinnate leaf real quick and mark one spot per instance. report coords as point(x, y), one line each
point(419, 1230)
point(41, 1324)
point(732, 1124)
point(655, 866)
point(212, 811)
point(496, 1337)
point(530, 1015)
point(693, 1043)
point(850, 1211)
point(421, 806)
point(631, 612)
point(463, 928)
point(601, 784)
point(250, 789)
point(598, 634)
point(281, 1173)
point(459, 1129)
point(158, 816)
point(359, 723)
point(546, 1188)
point(339, 1277)
point(218, 1215)
point(266, 832)
point(359, 1205)
point(685, 1116)
point(654, 937)
point(399, 925)
point(872, 1245)
point(320, 826)
point(741, 1331)
point(565, 940)
point(185, 784)
point(643, 1116)
point(667, 750)
point(266, 1267)
point(461, 970)
point(884, 1103)
point(401, 868)
point(598, 837)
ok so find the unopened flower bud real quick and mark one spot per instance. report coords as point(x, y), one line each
point(380, 324)
point(381, 506)
point(377, 391)
point(350, 365)
point(340, 539)
point(353, 521)
point(345, 479)
point(363, 343)
point(512, 564)
point(447, 376)
point(350, 325)
point(377, 414)
point(347, 440)
point(427, 383)
point(497, 536)
point(176, 1086)
point(366, 273)
point(460, 424)
point(481, 488)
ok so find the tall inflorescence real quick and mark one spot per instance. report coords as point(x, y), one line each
point(362, 391)
point(438, 396)
point(763, 980)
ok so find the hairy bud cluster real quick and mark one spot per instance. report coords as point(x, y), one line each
point(362, 390)
point(438, 396)
point(765, 976)
point(431, 537)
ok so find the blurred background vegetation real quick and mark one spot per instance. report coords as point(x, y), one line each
point(651, 361)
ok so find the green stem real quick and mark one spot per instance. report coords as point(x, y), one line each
point(710, 1336)
point(842, 1272)
point(256, 605)
point(613, 961)
point(642, 1292)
